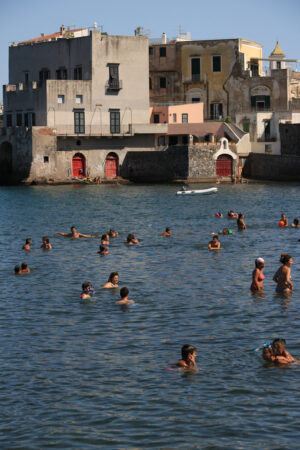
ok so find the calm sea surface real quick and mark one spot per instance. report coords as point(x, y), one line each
point(91, 375)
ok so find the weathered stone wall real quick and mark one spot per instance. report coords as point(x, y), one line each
point(272, 167)
point(201, 161)
point(290, 139)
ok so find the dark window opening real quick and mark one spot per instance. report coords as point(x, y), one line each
point(260, 102)
point(78, 142)
point(278, 65)
point(184, 118)
point(26, 120)
point(216, 111)
point(254, 69)
point(9, 120)
point(113, 76)
point(162, 82)
point(185, 139)
point(173, 140)
point(44, 75)
point(150, 83)
point(161, 140)
point(26, 79)
point(267, 130)
point(78, 73)
point(151, 51)
point(115, 121)
point(46, 159)
point(174, 117)
point(19, 119)
point(196, 69)
point(33, 119)
point(79, 121)
point(196, 100)
point(216, 63)
point(162, 51)
point(62, 74)
point(156, 118)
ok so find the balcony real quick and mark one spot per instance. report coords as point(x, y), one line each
point(113, 85)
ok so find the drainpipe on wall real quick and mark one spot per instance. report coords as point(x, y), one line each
point(207, 100)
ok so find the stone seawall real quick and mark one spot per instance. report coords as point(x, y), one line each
point(272, 167)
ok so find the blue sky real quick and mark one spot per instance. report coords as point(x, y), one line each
point(264, 21)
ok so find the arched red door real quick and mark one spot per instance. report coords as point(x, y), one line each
point(111, 166)
point(78, 165)
point(224, 166)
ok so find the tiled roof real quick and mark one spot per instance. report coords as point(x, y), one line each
point(48, 37)
point(277, 51)
point(197, 129)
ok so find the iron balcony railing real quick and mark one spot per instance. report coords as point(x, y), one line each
point(114, 85)
point(92, 130)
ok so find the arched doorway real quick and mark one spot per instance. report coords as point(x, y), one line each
point(78, 165)
point(6, 166)
point(224, 166)
point(112, 166)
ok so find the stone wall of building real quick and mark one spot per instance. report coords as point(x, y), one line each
point(201, 161)
point(290, 139)
point(272, 167)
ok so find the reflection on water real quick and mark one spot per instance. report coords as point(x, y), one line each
point(92, 374)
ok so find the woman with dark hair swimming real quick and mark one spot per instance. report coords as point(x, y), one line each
point(283, 275)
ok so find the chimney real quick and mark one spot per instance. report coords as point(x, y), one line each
point(164, 38)
point(62, 30)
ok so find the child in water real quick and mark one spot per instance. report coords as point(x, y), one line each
point(24, 268)
point(167, 232)
point(276, 352)
point(188, 356)
point(87, 290)
point(103, 250)
point(124, 292)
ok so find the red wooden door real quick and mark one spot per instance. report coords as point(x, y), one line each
point(78, 166)
point(111, 167)
point(224, 166)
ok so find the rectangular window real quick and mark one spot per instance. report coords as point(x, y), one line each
point(268, 148)
point(79, 99)
point(254, 69)
point(196, 100)
point(114, 121)
point(113, 76)
point(174, 118)
point(216, 62)
point(246, 127)
point(162, 83)
point(9, 120)
point(26, 79)
point(46, 159)
point(196, 69)
point(278, 65)
point(260, 102)
point(216, 111)
point(162, 52)
point(184, 118)
point(78, 73)
point(173, 140)
point(62, 74)
point(151, 51)
point(60, 99)
point(161, 140)
point(26, 120)
point(267, 130)
point(19, 119)
point(44, 75)
point(150, 83)
point(79, 121)
point(156, 118)
point(32, 119)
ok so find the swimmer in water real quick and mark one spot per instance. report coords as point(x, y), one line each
point(124, 292)
point(276, 353)
point(24, 268)
point(46, 244)
point(240, 222)
point(112, 233)
point(284, 220)
point(103, 250)
point(220, 215)
point(27, 244)
point(17, 270)
point(295, 223)
point(167, 232)
point(214, 244)
point(188, 357)
point(112, 281)
point(225, 232)
point(232, 215)
point(74, 234)
point(283, 275)
point(131, 240)
point(105, 239)
point(87, 290)
point(258, 276)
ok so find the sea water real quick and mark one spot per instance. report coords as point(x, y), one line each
point(93, 374)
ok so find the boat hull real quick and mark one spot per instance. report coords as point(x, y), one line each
point(198, 191)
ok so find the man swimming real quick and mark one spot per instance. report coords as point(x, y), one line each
point(74, 234)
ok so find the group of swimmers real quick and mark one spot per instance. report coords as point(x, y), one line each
point(274, 352)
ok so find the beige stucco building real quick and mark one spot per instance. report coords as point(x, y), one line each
point(76, 102)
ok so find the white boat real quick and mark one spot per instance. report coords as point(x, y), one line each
point(212, 190)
